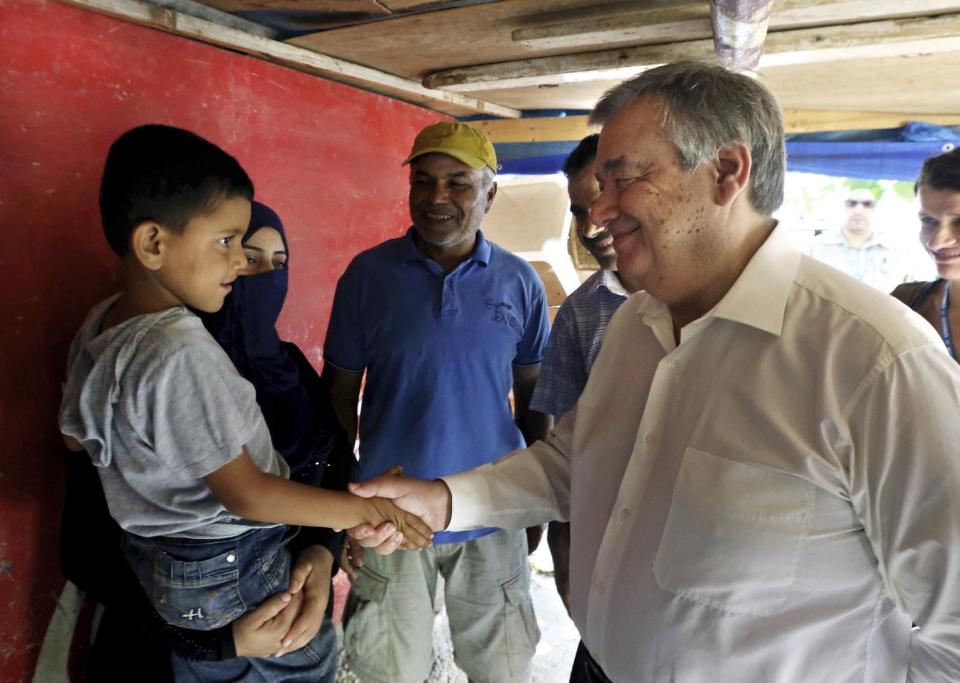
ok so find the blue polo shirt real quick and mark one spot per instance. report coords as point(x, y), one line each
point(439, 350)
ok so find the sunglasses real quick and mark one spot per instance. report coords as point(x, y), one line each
point(865, 203)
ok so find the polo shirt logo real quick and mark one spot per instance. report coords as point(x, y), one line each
point(503, 314)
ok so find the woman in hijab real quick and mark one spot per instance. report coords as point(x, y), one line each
point(938, 301)
point(302, 424)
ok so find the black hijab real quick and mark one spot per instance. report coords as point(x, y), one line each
point(246, 329)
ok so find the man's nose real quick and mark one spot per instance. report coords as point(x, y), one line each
point(604, 208)
point(438, 193)
point(589, 228)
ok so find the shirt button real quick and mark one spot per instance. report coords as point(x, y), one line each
point(624, 514)
point(599, 587)
point(649, 438)
point(231, 557)
point(673, 366)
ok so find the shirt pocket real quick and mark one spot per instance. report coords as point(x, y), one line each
point(735, 534)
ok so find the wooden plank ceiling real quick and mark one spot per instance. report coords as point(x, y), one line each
point(874, 55)
point(890, 57)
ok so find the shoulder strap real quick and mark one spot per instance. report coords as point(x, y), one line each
point(913, 294)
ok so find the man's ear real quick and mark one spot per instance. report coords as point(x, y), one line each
point(733, 165)
point(491, 193)
point(147, 244)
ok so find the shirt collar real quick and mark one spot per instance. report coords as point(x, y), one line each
point(835, 237)
point(481, 250)
point(610, 280)
point(758, 298)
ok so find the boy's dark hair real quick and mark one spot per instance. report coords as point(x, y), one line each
point(941, 172)
point(581, 156)
point(164, 174)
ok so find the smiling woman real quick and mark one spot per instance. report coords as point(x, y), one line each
point(938, 188)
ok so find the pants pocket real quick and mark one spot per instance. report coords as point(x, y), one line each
point(368, 636)
point(370, 586)
point(200, 594)
point(522, 630)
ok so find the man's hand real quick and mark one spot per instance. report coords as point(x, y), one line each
point(429, 500)
point(311, 577)
point(260, 632)
point(416, 534)
point(351, 558)
point(534, 534)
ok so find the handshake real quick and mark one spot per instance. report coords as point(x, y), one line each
point(429, 500)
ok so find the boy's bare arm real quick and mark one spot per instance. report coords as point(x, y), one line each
point(249, 493)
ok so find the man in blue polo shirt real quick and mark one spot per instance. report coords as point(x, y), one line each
point(444, 323)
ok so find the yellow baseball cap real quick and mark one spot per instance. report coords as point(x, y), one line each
point(462, 142)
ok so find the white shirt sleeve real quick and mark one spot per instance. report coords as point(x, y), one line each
point(905, 485)
point(526, 487)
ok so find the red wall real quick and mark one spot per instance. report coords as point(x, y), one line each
point(326, 156)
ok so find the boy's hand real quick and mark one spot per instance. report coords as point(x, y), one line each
point(417, 534)
point(260, 633)
point(428, 499)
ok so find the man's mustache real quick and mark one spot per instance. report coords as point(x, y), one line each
point(597, 237)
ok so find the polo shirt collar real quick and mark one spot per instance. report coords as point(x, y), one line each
point(481, 250)
point(836, 238)
point(758, 298)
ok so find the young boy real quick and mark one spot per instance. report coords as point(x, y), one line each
point(182, 449)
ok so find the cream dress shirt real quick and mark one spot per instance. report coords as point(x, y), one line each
point(773, 500)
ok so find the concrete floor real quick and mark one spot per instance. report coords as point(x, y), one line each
point(558, 636)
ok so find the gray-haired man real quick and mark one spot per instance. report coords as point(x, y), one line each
point(761, 473)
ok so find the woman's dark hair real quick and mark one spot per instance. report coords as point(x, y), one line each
point(164, 174)
point(941, 172)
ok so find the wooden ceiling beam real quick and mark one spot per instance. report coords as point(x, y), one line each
point(152, 16)
point(571, 128)
point(546, 129)
point(867, 40)
point(575, 68)
point(332, 6)
point(888, 38)
point(816, 120)
point(661, 25)
point(644, 27)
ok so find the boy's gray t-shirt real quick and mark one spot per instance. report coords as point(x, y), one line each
point(158, 405)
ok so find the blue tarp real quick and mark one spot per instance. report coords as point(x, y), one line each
point(891, 154)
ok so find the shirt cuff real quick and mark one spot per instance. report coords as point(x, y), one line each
point(469, 500)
